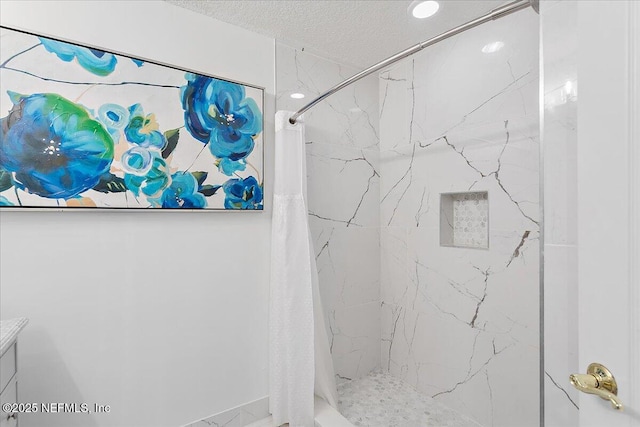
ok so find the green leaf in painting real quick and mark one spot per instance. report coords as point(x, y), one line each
point(5, 180)
point(109, 183)
point(172, 137)
point(209, 190)
point(200, 176)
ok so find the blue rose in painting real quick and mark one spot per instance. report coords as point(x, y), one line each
point(182, 193)
point(137, 161)
point(242, 194)
point(151, 183)
point(53, 146)
point(229, 167)
point(217, 113)
point(5, 202)
point(143, 129)
point(114, 118)
point(95, 61)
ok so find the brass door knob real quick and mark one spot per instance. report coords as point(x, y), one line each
point(599, 381)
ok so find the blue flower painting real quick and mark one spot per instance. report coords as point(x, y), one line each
point(242, 194)
point(95, 61)
point(219, 114)
point(83, 127)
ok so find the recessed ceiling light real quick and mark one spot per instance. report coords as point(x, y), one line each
point(492, 47)
point(297, 95)
point(424, 9)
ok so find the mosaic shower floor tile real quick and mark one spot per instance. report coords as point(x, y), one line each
point(381, 400)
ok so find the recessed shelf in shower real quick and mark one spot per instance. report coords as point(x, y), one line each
point(464, 219)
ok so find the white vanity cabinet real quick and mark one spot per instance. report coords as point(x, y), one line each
point(9, 330)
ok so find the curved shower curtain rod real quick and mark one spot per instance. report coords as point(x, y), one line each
point(497, 13)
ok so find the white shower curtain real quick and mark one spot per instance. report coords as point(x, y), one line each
point(299, 359)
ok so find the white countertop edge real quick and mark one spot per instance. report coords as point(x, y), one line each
point(9, 330)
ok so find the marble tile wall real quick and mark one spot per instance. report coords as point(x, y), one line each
point(343, 188)
point(462, 324)
point(559, 37)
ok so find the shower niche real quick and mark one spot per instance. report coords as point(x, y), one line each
point(464, 220)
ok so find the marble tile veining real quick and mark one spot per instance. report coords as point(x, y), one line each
point(458, 324)
point(381, 400)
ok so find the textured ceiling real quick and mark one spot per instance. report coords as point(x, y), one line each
point(356, 32)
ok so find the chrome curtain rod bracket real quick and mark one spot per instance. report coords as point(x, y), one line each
point(497, 13)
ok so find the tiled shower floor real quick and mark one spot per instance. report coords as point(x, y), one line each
point(381, 400)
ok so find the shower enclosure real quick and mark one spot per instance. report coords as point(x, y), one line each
point(451, 299)
point(424, 208)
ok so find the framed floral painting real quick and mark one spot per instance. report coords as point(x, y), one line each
point(85, 128)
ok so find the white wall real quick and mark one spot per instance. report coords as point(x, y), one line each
point(162, 316)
